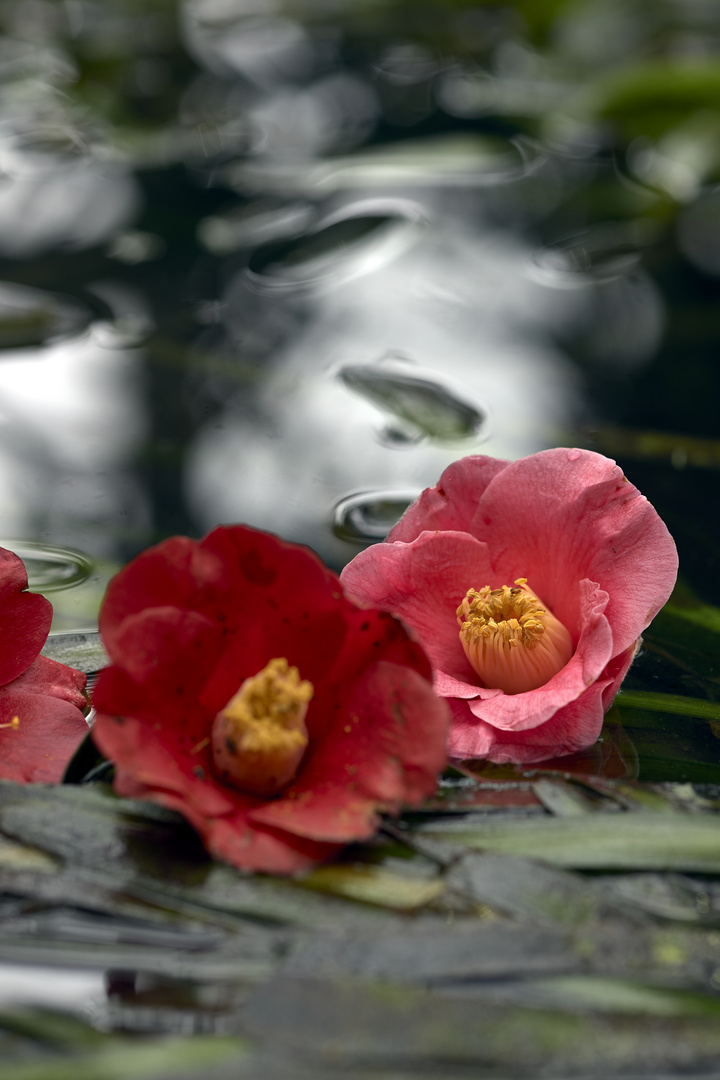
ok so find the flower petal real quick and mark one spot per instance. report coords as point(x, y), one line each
point(562, 515)
point(573, 727)
point(423, 583)
point(50, 731)
point(177, 573)
point(452, 504)
point(54, 680)
point(24, 619)
point(520, 712)
point(367, 762)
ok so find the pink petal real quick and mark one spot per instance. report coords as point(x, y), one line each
point(562, 515)
point(452, 504)
point(519, 712)
point(575, 726)
point(423, 583)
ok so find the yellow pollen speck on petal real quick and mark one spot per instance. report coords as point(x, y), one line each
point(259, 738)
point(511, 638)
point(14, 724)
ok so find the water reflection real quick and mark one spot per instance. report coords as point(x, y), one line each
point(50, 568)
point(475, 161)
point(31, 317)
point(349, 242)
point(58, 187)
point(70, 421)
point(620, 319)
point(418, 401)
point(368, 516)
point(284, 445)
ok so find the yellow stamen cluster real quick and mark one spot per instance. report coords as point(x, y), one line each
point(14, 724)
point(512, 640)
point(259, 738)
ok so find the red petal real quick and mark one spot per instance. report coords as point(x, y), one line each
point(46, 676)
point(385, 749)
point(24, 619)
point(50, 732)
point(282, 601)
point(176, 573)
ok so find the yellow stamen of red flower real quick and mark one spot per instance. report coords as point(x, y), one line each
point(259, 738)
point(14, 724)
point(513, 641)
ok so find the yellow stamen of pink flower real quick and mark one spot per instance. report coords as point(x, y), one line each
point(513, 641)
point(259, 738)
point(14, 724)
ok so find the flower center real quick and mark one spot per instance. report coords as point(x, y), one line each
point(259, 738)
point(512, 640)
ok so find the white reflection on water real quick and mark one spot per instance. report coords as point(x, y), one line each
point(57, 190)
point(70, 420)
point(458, 304)
point(75, 990)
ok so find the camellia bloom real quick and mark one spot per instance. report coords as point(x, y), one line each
point(528, 583)
point(249, 694)
point(41, 701)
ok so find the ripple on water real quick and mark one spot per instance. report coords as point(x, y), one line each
point(424, 407)
point(594, 256)
point(368, 516)
point(353, 241)
point(50, 568)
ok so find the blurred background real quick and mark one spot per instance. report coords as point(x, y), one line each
point(281, 261)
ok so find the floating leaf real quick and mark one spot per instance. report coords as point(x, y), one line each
point(669, 703)
point(375, 885)
point(640, 841)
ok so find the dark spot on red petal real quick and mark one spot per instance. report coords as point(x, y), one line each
point(487, 520)
point(440, 490)
point(231, 747)
point(252, 567)
point(119, 719)
point(199, 772)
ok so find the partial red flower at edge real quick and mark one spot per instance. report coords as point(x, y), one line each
point(203, 637)
point(529, 584)
point(41, 701)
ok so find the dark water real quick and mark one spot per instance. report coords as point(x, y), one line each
point(281, 263)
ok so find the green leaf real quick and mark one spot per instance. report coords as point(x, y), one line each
point(642, 841)
point(669, 703)
point(375, 885)
point(130, 1059)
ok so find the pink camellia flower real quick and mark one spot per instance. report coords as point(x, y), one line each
point(249, 694)
point(41, 722)
point(528, 583)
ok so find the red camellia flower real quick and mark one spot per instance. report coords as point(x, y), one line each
point(250, 695)
point(529, 584)
point(41, 722)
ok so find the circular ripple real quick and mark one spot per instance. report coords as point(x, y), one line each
point(50, 568)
